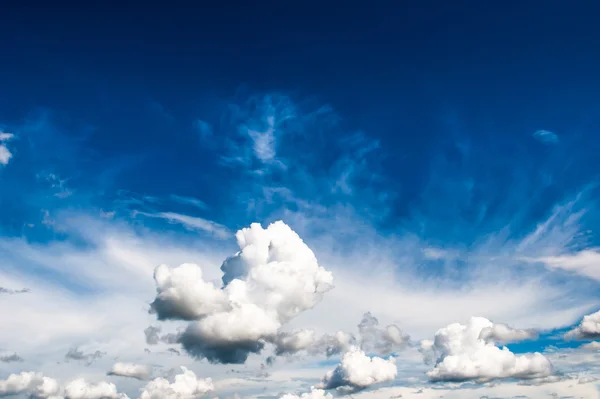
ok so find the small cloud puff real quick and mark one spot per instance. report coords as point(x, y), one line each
point(546, 136)
point(5, 154)
point(357, 371)
point(132, 370)
point(468, 352)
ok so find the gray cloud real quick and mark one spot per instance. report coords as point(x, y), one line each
point(87, 359)
point(10, 358)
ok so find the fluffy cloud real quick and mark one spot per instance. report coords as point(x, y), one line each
point(357, 370)
point(313, 394)
point(592, 346)
point(274, 277)
point(589, 328)
point(81, 389)
point(132, 370)
point(185, 386)
point(29, 383)
point(504, 334)
point(5, 154)
point(462, 354)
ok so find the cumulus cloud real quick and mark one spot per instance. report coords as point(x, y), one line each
point(589, 328)
point(185, 386)
point(29, 383)
point(274, 277)
point(592, 346)
point(462, 354)
point(313, 394)
point(501, 333)
point(131, 370)
point(383, 341)
point(357, 370)
point(78, 355)
point(82, 389)
point(5, 154)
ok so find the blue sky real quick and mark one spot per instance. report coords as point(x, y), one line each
point(440, 160)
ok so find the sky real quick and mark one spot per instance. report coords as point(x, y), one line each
point(307, 200)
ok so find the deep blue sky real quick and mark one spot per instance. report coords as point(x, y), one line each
point(453, 91)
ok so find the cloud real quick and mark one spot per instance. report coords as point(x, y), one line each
point(132, 370)
point(82, 389)
point(10, 358)
point(88, 359)
point(589, 328)
point(546, 136)
point(274, 277)
point(382, 341)
point(287, 343)
point(190, 222)
point(585, 262)
point(592, 346)
point(185, 386)
point(502, 333)
point(13, 292)
point(5, 154)
point(357, 370)
point(313, 394)
point(462, 354)
point(189, 201)
point(29, 383)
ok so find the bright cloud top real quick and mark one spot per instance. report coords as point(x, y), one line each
point(273, 278)
point(468, 352)
point(186, 386)
point(589, 328)
point(357, 370)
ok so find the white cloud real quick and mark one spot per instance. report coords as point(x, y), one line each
point(82, 389)
point(29, 383)
point(186, 386)
point(132, 370)
point(589, 328)
point(5, 154)
point(585, 263)
point(274, 277)
point(357, 370)
point(191, 222)
point(313, 394)
point(592, 346)
point(189, 201)
point(463, 355)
